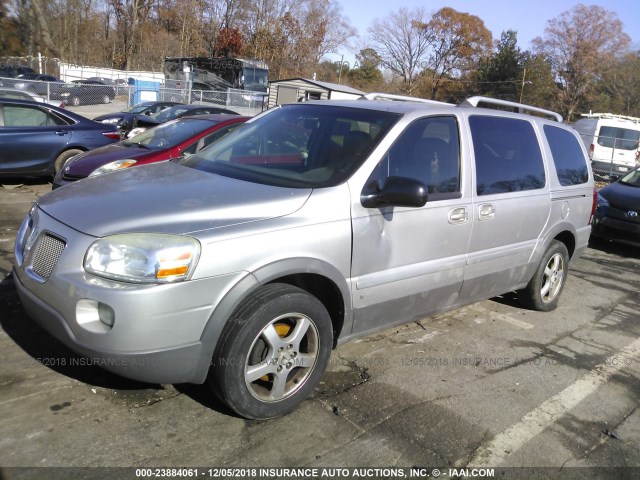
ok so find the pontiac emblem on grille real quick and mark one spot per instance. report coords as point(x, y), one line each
point(632, 213)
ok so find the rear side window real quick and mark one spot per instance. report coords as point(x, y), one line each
point(507, 155)
point(617, 137)
point(28, 116)
point(568, 158)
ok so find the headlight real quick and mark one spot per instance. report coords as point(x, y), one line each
point(111, 120)
point(135, 132)
point(113, 166)
point(143, 258)
point(65, 94)
point(601, 201)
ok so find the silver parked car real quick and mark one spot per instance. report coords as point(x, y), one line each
point(312, 224)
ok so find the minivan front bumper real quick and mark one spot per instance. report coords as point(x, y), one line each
point(182, 364)
point(150, 333)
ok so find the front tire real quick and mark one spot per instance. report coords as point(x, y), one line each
point(543, 291)
point(272, 352)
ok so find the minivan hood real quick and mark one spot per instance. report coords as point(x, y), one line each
point(166, 198)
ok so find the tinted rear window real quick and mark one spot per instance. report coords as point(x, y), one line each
point(617, 137)
point(570, 162)
point(507, 155)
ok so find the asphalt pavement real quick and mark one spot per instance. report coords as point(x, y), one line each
point(488, 388)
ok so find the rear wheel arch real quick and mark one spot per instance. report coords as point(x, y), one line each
point(569, 240)
point(543, 291)
point(563, 232)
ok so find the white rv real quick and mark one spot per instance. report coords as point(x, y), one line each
point(611, 140)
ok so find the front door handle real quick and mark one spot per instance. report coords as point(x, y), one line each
point(486, 212)
point(61, 132)
point(458, 216)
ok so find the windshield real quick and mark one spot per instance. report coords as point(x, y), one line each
point(298, 146)
point(141, 107)
point(169, 114)
point(632, 179)
point(168, 134)
point(255, 79)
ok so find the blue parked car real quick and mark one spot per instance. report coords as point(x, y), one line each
point(37, 139)
point(617, 217)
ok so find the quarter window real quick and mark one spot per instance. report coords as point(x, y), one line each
point(507, 155)
point(568, 158)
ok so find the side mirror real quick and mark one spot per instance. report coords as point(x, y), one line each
point(396, 191)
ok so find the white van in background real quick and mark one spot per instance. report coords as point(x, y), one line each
point(611, 140)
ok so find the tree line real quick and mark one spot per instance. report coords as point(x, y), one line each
point(582, 61)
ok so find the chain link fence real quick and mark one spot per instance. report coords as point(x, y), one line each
point(92, 91)
point(115, 98)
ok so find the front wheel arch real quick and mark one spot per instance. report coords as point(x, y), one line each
point(318, 274)
point(272, 352)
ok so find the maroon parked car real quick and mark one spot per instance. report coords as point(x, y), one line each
point(170, 140)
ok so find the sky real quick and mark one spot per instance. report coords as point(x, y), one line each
point(529, 18)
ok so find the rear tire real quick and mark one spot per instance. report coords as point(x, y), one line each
point(543, 291)
point(272, 352)
point(106, 99)
point(63, 158)
point(75, 101)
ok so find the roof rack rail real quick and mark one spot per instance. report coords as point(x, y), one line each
point(610, 115)
point(401, 98)
point(474, 101)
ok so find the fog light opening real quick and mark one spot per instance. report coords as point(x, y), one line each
point(94, 316)
point(106, 314)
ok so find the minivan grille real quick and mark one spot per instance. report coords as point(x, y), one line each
point(46, 255)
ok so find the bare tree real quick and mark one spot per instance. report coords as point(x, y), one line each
point(326, 17)
point(457, 41)
point(401, 42)
point(293, 35)
point(577, 43)
point(621, 85)
point(130, 16)
point(39, 15)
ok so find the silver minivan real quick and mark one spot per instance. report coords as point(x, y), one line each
point(312, 224)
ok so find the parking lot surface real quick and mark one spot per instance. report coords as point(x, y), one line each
point(487, 385)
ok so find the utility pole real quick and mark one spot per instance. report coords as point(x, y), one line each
point(524, 74)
